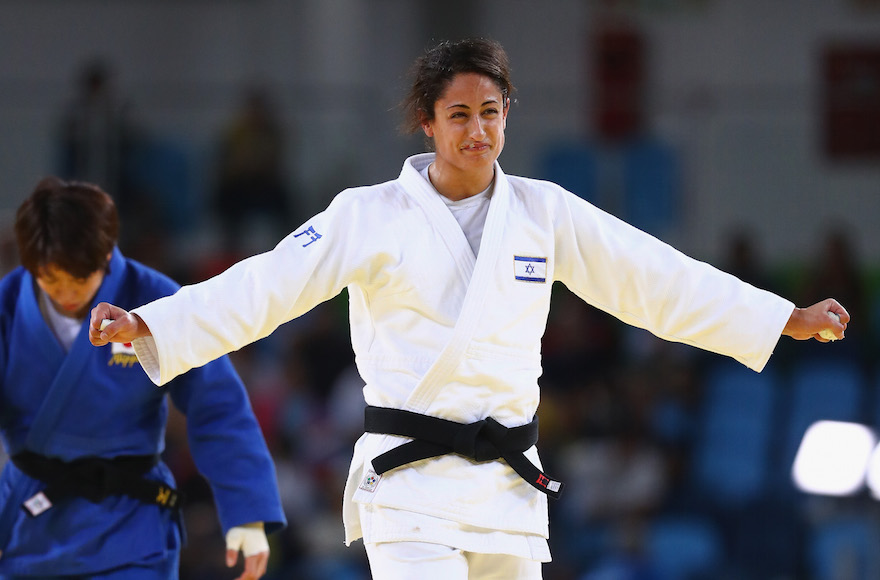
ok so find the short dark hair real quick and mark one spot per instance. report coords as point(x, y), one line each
point(70, 224)
point(434, 70)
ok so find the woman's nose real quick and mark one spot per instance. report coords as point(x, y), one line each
point(67, 295)
point(476, 126)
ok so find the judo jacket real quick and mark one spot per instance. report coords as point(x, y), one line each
point(98, 402)
point(439, 331)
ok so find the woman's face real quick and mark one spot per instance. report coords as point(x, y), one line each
point(468, 126)
point(71, 296)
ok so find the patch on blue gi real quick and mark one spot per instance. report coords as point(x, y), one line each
point(123, 355)
point(527, 269)
point(37, 504)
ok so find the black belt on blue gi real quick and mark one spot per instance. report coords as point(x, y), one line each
point(484, 440)
point(93, 478)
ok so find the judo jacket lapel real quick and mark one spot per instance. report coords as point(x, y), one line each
point(414, 185)
point(478, 273)
point(73, 365)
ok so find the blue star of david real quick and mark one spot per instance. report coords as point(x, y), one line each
point(530, 269)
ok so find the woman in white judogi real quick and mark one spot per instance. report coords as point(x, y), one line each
point(449, 270)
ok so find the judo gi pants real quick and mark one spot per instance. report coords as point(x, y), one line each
point(421, 560)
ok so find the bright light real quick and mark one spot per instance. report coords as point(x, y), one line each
point(874, 473)
point(832, 458)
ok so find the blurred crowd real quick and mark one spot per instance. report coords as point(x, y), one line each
point(623, 414)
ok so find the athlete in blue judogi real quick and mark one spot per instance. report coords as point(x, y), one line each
point(85, 493)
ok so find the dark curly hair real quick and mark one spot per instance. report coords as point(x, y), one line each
point(433, 71)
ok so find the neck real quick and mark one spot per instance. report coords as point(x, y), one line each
point(457, 185)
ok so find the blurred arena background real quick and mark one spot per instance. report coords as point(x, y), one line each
point(744, 132)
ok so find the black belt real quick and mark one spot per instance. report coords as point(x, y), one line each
point(93, 478)
point(481, 441)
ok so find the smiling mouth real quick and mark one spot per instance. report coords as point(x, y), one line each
point(476, 147)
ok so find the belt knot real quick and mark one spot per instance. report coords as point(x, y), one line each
point(482, 440)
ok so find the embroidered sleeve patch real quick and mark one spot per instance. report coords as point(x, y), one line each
point(309, 236)
point(526, 269)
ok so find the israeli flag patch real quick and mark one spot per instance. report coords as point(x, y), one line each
point(527, 269)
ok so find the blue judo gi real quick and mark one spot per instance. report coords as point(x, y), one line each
point(99, 402)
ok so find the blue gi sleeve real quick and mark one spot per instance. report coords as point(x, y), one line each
point(227, 445)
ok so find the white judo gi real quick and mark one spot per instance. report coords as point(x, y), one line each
point(439, 331)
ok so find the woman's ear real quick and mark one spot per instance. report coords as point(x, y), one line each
point(426, 125)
